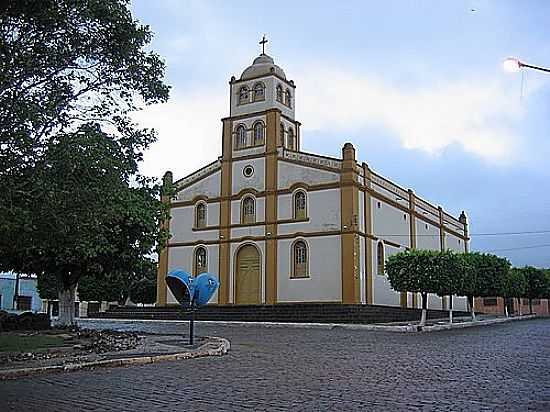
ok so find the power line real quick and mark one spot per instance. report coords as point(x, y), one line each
point(534, 232)
point(521, 247)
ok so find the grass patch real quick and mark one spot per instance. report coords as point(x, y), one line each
point(26, 343)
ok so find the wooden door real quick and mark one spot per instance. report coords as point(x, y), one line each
point(247, 280)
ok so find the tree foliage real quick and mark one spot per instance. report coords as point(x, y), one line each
point(514, 284)
point(71, 201)
point(423, 271)
point(484, 274)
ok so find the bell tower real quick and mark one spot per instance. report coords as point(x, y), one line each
point(262, 88)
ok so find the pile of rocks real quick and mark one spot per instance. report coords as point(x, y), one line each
point(23, 321)
point(101, 341)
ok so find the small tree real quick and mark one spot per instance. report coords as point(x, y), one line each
point(483, 276)
point(451, 276)
point(514, 286)
point(416, 271)
point(536, 284)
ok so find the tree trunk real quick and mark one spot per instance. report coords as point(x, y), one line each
point(530, 306)
point(519, 307)
point(450, 308)
point(472, 310)
point(66, 306)
point(424, 309)
point(505, 307)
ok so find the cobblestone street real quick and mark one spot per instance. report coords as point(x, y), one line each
point(504, 367)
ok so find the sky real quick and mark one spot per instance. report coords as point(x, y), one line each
point(417, 86)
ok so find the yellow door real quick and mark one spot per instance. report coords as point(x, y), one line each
point(247, 281)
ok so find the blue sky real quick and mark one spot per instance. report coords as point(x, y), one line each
point(417, 86)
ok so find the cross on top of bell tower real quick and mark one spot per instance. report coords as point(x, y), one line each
point(263, 42)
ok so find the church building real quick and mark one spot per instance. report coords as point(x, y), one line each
point(279, 225)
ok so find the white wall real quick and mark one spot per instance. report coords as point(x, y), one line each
point(256, 181)
point(209, 186)
point(383, 294)
point(182, 220)
point(323, 208)
point(289, 173)
point(325, 281)
point(390, 223)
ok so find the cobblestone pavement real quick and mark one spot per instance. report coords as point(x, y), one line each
point(504, 367)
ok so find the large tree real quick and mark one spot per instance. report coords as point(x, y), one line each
point(71, 200)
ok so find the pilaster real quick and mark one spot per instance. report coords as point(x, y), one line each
point(349, 201)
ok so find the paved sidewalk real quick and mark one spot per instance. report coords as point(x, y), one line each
point(505, 367)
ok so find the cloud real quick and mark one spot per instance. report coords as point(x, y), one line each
point(473, 114)
point(189, 130)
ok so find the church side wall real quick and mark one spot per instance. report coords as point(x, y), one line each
point(289, 173)
point(391, 226)
point(452, 242)
point(181, 224)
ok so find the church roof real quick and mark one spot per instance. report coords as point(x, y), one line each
point(261, 66)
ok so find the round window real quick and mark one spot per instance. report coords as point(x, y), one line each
point(248, 171)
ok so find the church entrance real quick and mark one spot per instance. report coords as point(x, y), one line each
point(247, 279)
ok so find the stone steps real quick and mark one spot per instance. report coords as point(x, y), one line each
point(285, 312)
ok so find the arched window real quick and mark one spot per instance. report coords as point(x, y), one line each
point(279, 93)
point(249, 210)
point(288, 98)
point(300, 260)
point(243, 95)
point(201, 263)
point(290, 142)
point(259, 92)
point(258, 133)
point(241, 136)
point(282, 135)
point(300, 205)
point(380, 258)
point(200, 215)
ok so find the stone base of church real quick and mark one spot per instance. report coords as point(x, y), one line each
point(283, 312)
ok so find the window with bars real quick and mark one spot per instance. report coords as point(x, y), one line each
point(380, 258)
point(282, 135)
point(200, 215)
point(300, 204)
point(288, 98)
point(279, 93)
point(259, 92)
point(243, 95)
point(241, 136)
point(258, 133)
point(249, 210)
point(201, 263)
point(291, 142)
point(300, 260)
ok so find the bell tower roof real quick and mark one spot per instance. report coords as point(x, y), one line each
point(263, 65)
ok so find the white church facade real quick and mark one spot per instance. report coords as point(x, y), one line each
point(278, 225)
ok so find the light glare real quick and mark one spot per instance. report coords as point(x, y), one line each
point(511, 65)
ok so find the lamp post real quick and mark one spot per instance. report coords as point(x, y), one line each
point(511, 64)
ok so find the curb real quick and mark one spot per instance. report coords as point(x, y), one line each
point(222, 346)
point(410, 328)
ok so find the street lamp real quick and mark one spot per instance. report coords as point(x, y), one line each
point(511, 64)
